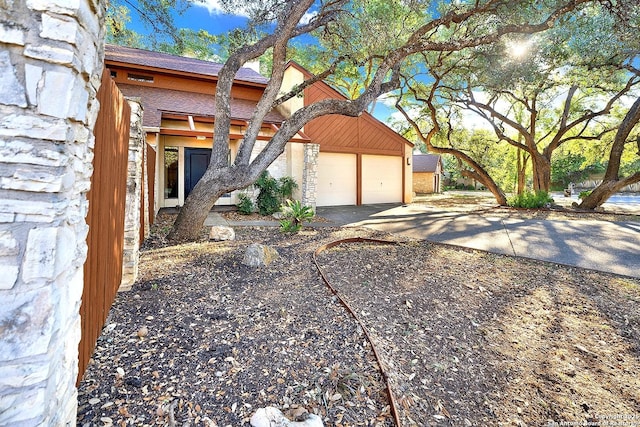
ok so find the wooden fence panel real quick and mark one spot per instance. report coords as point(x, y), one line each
point(107, 197)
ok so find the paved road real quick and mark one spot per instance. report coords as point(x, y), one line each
point(599, 245)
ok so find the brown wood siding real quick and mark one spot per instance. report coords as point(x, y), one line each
point(336, 133)
point(107, 197)
point(151, 182)
point(186, 84)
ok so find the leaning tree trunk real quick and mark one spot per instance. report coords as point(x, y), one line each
point(611, 183)
point(194, 212)
point(482, 177)
point(606, 189)
point(204, 195)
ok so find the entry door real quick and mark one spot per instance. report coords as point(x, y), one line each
point(196, 163)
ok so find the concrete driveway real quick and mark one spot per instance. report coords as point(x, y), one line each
point(600, 245)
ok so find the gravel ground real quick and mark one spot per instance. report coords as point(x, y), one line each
point(466, 338)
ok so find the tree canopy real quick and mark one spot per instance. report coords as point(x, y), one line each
point(538, 93)
point(537, 72)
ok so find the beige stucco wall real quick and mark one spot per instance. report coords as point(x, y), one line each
point(295, 153)
point(408, 174)
point(292, 77)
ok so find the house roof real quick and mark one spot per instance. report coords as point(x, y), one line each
point(164, 61)
point(425, 162)
point(158, 100)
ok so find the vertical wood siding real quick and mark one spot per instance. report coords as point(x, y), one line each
point(103, 267)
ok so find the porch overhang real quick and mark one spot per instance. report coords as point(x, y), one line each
point(192, 124)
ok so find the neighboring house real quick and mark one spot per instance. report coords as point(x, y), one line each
point(335, 160)
point(427, 173)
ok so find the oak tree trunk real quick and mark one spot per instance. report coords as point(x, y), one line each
point(541, 166)
point(521, 171)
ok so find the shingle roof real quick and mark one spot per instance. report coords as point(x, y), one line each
point(157, 100)
point(425, 162)
point(159, 60)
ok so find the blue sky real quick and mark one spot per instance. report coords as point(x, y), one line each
point(210, 19)
point(207, 15)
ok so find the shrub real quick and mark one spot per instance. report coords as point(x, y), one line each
point(273, 192)
point(530, 200)
point(293, 215)
point(268, 200)
point(583, 194)
point(286, 185)
point(245, 206)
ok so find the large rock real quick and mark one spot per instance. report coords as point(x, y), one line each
point(272, 417)
point(221, 232)
point(257, 255)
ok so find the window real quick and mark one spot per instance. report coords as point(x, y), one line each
point(170, 172)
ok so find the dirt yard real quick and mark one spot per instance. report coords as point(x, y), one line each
point(466, 338)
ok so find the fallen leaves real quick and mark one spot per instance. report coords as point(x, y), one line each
point(214, 340)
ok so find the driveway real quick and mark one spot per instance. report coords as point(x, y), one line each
point(600, 245)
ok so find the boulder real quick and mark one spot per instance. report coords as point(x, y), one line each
point(257, 255)
point(221, 232)
point(273, 417)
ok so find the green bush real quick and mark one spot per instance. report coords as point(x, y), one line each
point(530, 200)
point(268, 200)
point(584, 194)
point(293, 215)
point(245, 206)
point(286, 185)
point(273, 192)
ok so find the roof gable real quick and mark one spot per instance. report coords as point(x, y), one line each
point(363, 133)
point(426, 162)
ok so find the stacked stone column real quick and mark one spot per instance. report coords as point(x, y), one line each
point(51, 56)
point(135, 181)
point(310, 175)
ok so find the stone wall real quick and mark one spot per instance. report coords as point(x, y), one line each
point(135, 178)
point(423, 182)
point(51, 55)
point(310, 175)
point(278, 168)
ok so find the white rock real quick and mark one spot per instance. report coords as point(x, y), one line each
point(273, 417)
point(11, 91)
point(221, 232)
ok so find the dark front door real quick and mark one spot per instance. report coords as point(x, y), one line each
point(196, 163)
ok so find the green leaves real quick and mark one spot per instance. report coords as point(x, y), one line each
point(293, 215)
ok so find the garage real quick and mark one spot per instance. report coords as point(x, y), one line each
point(381, 179)
point(337, 183)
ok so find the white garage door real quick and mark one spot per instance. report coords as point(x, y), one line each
point(336, 179)
point(381, 179)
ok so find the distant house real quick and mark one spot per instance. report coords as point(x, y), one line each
point(427, 173)
point(335, 160)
